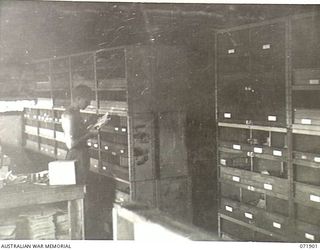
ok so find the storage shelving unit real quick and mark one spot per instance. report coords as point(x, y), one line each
point(143, 146)
point(268, 155)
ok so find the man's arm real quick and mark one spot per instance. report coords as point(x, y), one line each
point(69, 127)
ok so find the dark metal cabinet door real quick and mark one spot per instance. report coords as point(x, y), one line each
point(267, 100)
point(233, 52)
point(267, 47)
point(233, 98)
point(306, 42)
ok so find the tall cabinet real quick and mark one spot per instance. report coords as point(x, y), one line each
point(142, 147)
point(268, 156)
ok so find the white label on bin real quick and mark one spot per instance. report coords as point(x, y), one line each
point(223, 162)
point(314, 81)
point(306, 121)
point(106, 147)
point(303, 157)
point(272, 118)
point(257, 150)
point(227, 115)
point(251, 188)
point(248, 215)
point(116, 129)
point(121, 151)
point(95, 165)
point(104, 168)
point(236, 178)
point(309, 236)
point(266, 46)
point(89, 143)
point(231, 51)
point(316, 159)
point(235, 146)
point(276, 225)
point(123, 129)
point(113, 153)
point(229, 209)
point(314, 198)
point(95, 145)
point(277, 153)
point(267, 186)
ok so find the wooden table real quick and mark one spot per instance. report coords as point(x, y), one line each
point(17, 196)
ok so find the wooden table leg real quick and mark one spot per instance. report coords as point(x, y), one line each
point(76, 217)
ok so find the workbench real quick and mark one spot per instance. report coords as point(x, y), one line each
point(25, 195)
point(138, 222)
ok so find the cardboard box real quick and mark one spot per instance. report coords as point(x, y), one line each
point(62, 173)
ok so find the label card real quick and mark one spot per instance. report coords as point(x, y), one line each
point(231, 51)
point(272, 118)
point(266, 46)
point(267, 186)
point(227, 115)
point(314, 81)
point(257, 150)
point(248, 215)
point(309, 236)
point(236, 178)
point(316, 159)
point(314, 198)
point(237, 147)
point(251, 188)
point(223, 162)
point(277, 153)
point(276, 225)
point(229, 209)
point(306, 121)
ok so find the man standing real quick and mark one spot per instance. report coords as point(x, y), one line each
point(76, 132)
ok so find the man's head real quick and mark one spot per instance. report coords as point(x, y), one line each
point(81, 96)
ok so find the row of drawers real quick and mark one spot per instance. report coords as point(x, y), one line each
point(109, 169)
point(256, 182)
point(308, 195)
point(300, 158)
point(118, 137)
point(46, 149)
point(268, 118)
point(255, 216)
point(252, 151)
point(274, 225)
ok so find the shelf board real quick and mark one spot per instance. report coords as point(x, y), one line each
point(230, 150)
point(120, 88)
point(113, 112)
point(306, 163)
point(306, 87)
point(306, 129)
point(253, 127)
point(252, 227)
point(47, 137)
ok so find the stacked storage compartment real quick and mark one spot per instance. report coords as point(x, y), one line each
point(254, 182)
point(142, 147)
point(306, 129)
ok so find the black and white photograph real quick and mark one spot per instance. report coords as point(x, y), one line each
point(159, 121)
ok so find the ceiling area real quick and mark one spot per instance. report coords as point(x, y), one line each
point(31, 30)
